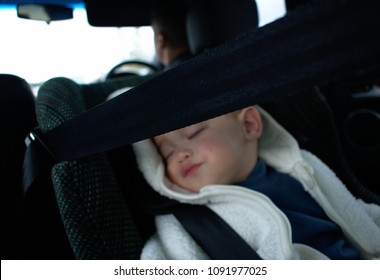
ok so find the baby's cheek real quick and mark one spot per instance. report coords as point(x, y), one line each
point(171, 174)
point(208, 146)
point(209, 149)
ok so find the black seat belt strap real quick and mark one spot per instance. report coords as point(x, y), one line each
point(38, 159)
point(315, 44)
point(213, 234)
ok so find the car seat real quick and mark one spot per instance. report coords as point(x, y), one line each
point(17, 119)
point(308, 117)
point(95, 212)
point(356, 108)
point(212, 22)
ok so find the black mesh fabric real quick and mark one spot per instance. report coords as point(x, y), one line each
point(58, 100)
point(93, 209)
point(94, 213)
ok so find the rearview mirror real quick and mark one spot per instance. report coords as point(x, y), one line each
point(44, 12)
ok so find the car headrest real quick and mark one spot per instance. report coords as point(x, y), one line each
point(212, 22)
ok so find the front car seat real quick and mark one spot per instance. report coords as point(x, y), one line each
point(18, 118)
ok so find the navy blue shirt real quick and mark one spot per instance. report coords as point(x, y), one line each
point(310, 225)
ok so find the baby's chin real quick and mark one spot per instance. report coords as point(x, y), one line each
point(196, 188)
point(193, 189)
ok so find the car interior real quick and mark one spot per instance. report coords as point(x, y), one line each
point(75, 191)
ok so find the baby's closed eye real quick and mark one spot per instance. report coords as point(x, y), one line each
point(166, 152)
point(195, 132)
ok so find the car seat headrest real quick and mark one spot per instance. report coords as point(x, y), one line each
point(17, 112)
point(212, 22)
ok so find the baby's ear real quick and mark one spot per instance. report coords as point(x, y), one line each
point(250, 119)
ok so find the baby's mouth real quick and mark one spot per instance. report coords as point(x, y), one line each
point(190, 169)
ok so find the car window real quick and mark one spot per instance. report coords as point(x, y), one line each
point(270, 10)
point(38, 51)
point(72, 48)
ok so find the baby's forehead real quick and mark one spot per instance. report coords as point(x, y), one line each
point(176, 133)
point(182, 131)
point(171, 134)
point(160, 138)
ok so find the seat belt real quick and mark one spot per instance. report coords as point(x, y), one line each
point(314, 44)
point(217, 239)
point(38, 159)
point(213, 234)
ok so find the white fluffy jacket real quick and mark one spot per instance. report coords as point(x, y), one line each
point(253, 216)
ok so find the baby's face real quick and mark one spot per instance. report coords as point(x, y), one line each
point(210, 152)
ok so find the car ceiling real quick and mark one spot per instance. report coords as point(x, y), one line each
point(118, 13)
point(102, 13)
point(58, 2)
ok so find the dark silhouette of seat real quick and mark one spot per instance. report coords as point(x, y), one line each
point(17, 115)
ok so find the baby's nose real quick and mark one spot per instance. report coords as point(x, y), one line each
point(184, 154)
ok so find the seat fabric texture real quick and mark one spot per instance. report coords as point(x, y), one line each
point(95, 214)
